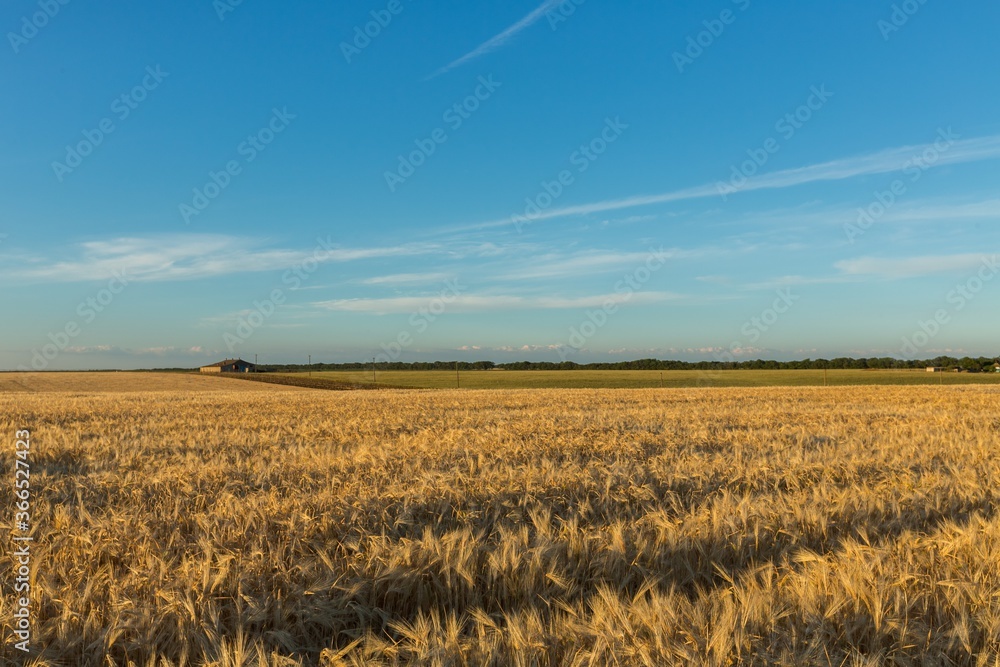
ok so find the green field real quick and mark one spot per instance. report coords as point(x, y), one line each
point(645, 379)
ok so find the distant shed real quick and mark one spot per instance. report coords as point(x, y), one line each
point(230, 366)
point(935, 369)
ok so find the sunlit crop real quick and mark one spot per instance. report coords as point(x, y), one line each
point(765, 526)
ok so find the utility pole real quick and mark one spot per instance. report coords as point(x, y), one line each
point(458, 382)
point(255, 362)
point(374, 381)
point(310, 365)
point(661, 379)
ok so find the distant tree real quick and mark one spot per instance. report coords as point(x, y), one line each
point(969, 364)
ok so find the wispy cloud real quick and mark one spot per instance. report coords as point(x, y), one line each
point(814, 214)
point(406, 279)
point(586, 263)
point(511, 348)
point(863, 269)
point(502, 38)
point(590, 263)
point(937, 211)
point(185, 257)
point(880, 162)
point(796, 281)
point(911, 267)
point(479, 303)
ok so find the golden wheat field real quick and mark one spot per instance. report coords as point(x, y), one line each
point(771, 526)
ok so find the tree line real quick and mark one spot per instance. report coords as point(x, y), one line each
point(969, 364)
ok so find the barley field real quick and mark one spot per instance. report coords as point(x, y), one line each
point(272, 526)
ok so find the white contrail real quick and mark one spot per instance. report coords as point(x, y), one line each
point(499, 40)
point(880, 162)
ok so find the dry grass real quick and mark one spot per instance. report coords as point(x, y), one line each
point(852, 526)
point(112, 382)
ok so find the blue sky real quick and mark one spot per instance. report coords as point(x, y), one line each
point(469, 180)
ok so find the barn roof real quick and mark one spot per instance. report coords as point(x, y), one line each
point(227, 362)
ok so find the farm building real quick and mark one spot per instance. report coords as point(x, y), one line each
point(935, 369)
point(230, 366)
